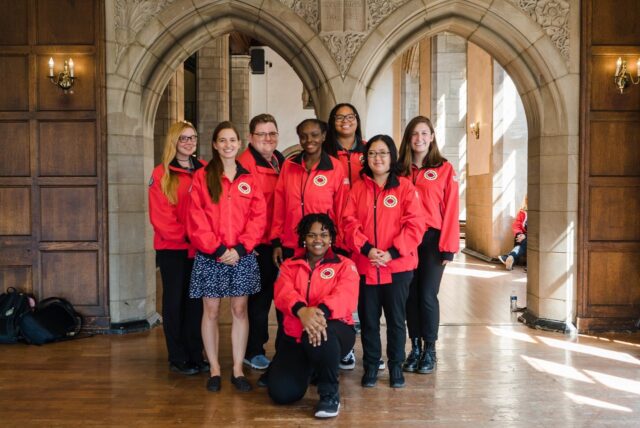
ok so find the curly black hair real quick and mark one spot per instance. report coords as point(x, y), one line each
point(307, 221)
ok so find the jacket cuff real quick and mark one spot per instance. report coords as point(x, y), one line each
point(366, 248)
point(446, 255)
point(394, 252)
point(240, 250)
point(219, 251)
point(276, 242)
point(325, 310)
point(295, 308)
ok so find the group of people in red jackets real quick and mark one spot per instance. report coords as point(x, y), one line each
point(345, 229)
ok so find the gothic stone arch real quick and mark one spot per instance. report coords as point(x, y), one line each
point(548, 82)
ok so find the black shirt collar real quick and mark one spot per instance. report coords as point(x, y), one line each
point(325, 163)
point(194, 161)
point(261, 161)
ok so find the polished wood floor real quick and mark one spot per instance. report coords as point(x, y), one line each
point(492, 372)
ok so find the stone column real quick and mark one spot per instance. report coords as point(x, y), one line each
point(170, 110)
point(240, 101)
point(213, 90)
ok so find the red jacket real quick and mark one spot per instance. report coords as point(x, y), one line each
point(520, 223)
point(352, 161)
point(332, 286)
point(236, 221)
point(169, 220)
point(298, 192)
point(389, 219)
point(438, 189)
point(266, 177)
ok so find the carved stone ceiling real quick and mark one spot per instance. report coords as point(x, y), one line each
point(343, 25)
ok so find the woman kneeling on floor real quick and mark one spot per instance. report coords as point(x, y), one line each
point(317, 292)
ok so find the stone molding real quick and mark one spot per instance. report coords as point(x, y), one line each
point(305, 9)
point(130, 17)
point(553, 17)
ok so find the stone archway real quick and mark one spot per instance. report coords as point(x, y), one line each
point(145, 44)
point(546, 77)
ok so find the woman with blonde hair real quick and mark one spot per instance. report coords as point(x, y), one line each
point(168, 205)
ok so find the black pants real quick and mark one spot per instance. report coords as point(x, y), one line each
point(423, 307)
point(181, 316)
point(260, 303)
point(288, 376)
point(373, 299)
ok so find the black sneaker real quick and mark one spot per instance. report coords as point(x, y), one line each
point(263, 380)
point(202, 366)
point(328, 406)
point(396, 378)
point(184, 367)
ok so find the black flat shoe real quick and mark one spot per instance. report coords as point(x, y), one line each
point(183, 367)
point(241, 383)
point(263, 380)
point(213, 384)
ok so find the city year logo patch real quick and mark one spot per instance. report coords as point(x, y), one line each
point(327, 273)
point(390, 201)
point(430, 175)
point(244, 188)
point(361, 159)
point(320, 180)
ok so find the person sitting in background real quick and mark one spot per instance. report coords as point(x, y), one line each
point(520, 238)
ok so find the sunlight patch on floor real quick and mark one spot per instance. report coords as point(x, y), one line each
point(580, 399)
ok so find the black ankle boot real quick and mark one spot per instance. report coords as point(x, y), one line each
point(370, 377)
point(396, 379)
point(427, 363)
point(411, 363)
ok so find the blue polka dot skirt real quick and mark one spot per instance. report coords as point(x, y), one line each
point(210, 278)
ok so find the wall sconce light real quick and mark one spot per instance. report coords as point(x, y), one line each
point(475, 129)
point(623, 78)
point(65, 79)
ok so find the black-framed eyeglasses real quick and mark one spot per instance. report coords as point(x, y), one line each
point(348, 117)
point(185, 138)
point(376, 154)
point(264, 135)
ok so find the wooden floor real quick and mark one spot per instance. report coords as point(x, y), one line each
point(492, 372)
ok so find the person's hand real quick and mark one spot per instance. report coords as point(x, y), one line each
point(385, 258)
point(230, 257)
point(313, 321)
point(317, 338)
point(277, 256)
point(375, 256)
point(521, 237)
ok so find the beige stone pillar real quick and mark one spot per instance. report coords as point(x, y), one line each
point(240, 86)
point(213, 90)
point(170, 110)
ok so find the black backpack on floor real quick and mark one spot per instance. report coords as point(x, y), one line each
point(13, 306)
point(54, 319)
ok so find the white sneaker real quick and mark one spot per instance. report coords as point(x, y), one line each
point(507, 261)
point(348, 362)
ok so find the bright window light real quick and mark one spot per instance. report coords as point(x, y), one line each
point(615, 382)
point(580, 399)
point(557, 369)
point(590, 350)
point(512, 334)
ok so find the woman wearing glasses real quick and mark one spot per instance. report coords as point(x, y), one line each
point(310, 182)
point(226, 220)
point(168, 205)
point(437, 184)
point(317, 293)
point(383, 226)
point(344, 140)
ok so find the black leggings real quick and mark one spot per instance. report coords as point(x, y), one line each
point(181, 315)
point(423, 307)
point(260, 303)
point(288, 375)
